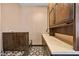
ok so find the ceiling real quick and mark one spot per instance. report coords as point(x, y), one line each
point(34, 4)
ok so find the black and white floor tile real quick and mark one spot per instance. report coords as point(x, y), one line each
point(12, 53)
point(36, 51)
point(33, 51)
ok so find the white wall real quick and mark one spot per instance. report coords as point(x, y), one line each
point(10, 17)
point(25, 19)
point(34, 21)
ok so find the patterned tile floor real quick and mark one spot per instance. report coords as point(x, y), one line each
point(33, 51)
point(12, 53)
point(36, 51)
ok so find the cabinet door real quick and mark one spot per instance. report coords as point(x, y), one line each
point(22, 41)
point(8, 42)
point(52, 18)
point(19, 41)
point(51, 14)
point(15, 41)
point(62, 12)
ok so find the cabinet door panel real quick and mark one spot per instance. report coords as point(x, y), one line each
point(15, 41)
point(51, 18)
point(20, 40)
point(62, 12)
point(8, 41)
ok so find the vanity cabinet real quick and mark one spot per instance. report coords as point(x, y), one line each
point(15, 41)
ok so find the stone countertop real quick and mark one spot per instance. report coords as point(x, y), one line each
point(57, 46)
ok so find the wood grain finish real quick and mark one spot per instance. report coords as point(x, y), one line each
point(63, 14)
point(51, 12)
point(51, 18)
point(66, 38)
point(15, 41)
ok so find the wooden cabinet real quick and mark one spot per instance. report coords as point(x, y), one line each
point(51, 14)
point(64, 12)
point(6, 42)
point(15, 41)
point(60, 13)
point(51, 18)
point(62, 19)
